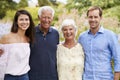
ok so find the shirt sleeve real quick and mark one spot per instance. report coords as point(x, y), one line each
point(115, 50)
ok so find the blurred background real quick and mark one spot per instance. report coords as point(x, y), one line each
point(75, 9)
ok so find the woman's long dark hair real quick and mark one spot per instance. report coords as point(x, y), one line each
point(30, 31)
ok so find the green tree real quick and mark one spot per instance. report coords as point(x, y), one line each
point(5, 5)
point(23, 3)
point(78, 4)
point(44, 2)
point(117, 2)
point(103, 3)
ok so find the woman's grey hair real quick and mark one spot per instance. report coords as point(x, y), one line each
point(68, 22)
point(45, 8)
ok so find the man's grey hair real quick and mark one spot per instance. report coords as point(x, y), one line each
point(45, 8)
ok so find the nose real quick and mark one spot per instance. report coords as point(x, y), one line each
point(68, 31)
point(24, 21)
point(46, 19)
point(93, 19)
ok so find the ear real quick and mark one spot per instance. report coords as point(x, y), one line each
point(52, 18)
point(101, 17)
point(38, 17)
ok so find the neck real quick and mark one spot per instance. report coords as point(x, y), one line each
point(70, 42)
point(94, 30)
point(21, 33)
point(45, 31)
point(20, 36)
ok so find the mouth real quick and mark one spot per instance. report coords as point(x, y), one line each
point(68, 35)
point(92, 23)
point(46, 23)
point(24, 26)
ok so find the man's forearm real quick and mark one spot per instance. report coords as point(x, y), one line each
point(117, 76)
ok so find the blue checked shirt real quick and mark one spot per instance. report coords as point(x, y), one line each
point(99, 50)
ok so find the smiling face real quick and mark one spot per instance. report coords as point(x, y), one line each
point(23, 22)
point(94, 19)
point(46, 19)
point(69, 32)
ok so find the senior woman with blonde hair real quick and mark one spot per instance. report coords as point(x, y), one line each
point(70, 56)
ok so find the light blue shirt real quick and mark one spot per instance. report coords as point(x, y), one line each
point(99, 50)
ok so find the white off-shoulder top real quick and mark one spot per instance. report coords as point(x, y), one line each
point(17, 58)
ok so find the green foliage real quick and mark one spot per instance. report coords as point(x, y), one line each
point(6, 5)
point(101, 3)
point(34, 13)
point(32, 10)
point(44, 2)
point(78, 4)
point(117, 2)
point(113, 12)
point(2, 11)
point(9, 15)
point(22, 4)
point(82, 3)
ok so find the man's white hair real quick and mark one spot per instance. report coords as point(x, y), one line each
point(45, 8)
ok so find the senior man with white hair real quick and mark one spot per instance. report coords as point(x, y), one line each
point(43, 51)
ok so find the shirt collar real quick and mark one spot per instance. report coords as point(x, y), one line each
point(101, 30)
point(38, 29)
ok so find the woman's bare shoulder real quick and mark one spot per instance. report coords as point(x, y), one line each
point(5, 38)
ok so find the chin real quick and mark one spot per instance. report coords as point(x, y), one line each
point(92, 27)
point(45, 27)
point(24, 29)
point(69, 38)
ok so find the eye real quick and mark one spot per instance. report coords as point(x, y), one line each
point(49, 18)
point(90, 17)
point(21, 19)
point(64, 29)
point(96, 16)
point(71, 29)
point(26, 19)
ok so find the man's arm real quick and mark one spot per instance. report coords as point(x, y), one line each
point(1, 52)
point(116, 75)
point(115, 49)
point(2, 41)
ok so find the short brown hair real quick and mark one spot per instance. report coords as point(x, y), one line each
point(95, 8)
